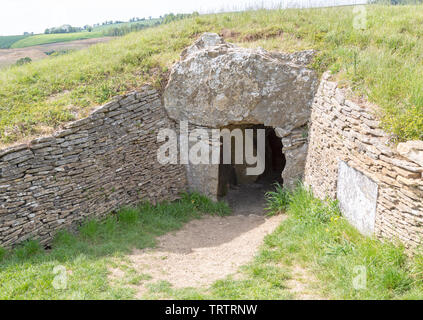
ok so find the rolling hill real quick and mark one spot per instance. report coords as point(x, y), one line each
point(7, 41)
point(382, 62)
point(40, 39)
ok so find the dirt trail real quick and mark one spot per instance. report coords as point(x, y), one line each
point(212, 248)
point(205, 250)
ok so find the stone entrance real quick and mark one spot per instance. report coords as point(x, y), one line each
point(246, 193)
point(234, 176)
point(218, 85)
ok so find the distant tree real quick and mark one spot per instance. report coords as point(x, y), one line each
point(396, 2)
point(88, 28)
point(66, 28)
point(23, 61)
point(122, 29)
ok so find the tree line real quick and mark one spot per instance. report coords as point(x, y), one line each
point(396, 2)
point(127, 28)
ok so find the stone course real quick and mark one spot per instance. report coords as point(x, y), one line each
point(344, 130)
point(90, 168)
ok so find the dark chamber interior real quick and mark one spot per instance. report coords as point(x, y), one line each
point(245, 194)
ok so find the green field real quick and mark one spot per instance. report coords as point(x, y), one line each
point(106, 27)
point(382, 62)
point(53, 38)
point(7, 41)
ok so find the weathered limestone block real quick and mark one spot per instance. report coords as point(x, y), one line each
point(216, 84)
point(295, 163)
point(412, 150)
point(357, 195)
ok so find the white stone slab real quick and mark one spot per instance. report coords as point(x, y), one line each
point(357, 195)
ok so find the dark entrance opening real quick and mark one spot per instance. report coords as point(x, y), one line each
point(244, 193)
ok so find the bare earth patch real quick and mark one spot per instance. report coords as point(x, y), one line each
point(205, 250)
point(212, 248)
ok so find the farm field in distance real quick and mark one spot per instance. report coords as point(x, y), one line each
point(7, 41)
point(40, 39)
point(106, 27)
point(10, 56)
point(24, 41)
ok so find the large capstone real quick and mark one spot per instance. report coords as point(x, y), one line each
point(217, 84)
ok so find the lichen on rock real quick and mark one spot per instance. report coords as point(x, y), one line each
point(217, 84)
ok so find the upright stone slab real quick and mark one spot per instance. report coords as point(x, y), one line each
point(357, 195)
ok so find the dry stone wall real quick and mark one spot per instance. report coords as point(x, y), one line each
point(346, 131)
point(93, 166)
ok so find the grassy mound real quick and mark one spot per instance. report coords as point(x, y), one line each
point(383, 62)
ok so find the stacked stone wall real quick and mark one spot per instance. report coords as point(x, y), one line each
point(92, 167)
point(348, 131)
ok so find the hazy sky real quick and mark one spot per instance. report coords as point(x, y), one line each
point(18, 16)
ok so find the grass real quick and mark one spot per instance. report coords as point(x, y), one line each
point(78, 265)
point(318, 238)
point(40, 39)
point(382, 62)
point(340, 263)
point(7, 41)
point(107, 27)
point(261, 281)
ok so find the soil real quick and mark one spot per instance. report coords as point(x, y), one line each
point(212, 248)
point(204, 250)
point(249, 198)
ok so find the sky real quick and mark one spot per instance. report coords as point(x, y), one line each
point(19, 16)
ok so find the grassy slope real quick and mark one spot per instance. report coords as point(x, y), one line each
point(53, 38)
point(28, 272)
point(7, 41)
point(384, 61)
point(316, 236)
